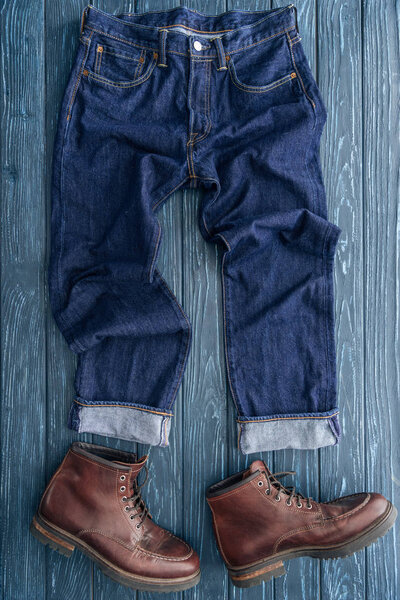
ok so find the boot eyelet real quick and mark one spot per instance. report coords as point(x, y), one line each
point(309, 506)
point(122, 488)
point(260, 484)
point(122, 478)
point(126, 508)
point(124, 499)
point(138, 525)
point(299, 505)
point(277, 498)
point(289, 503)
point(131, 517)
point(268, 491)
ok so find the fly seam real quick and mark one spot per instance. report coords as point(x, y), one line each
point(207, 107)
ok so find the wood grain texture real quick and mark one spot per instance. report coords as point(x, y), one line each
point(23, 361)
point(353, 49)
point(64, 577)
point(381, 277)
point(340, 80)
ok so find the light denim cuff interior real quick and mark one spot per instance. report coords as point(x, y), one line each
point(285, 434)
point(123, 422)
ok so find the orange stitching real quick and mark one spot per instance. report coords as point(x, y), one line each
point(169, 193)
point(78, 79)
point(288, 418)
point(122, 406)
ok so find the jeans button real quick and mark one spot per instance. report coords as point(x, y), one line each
point(197, 45)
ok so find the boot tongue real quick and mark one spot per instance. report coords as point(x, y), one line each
point(257, 465)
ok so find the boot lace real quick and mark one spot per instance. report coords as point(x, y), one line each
point(289, 490)
point(136, 501)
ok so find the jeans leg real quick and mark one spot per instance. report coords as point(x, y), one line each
point(110, 302)
point(277, 274)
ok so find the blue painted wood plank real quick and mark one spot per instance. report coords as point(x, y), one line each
point(23, 384)
point(204, 427)
point(64, 576)
point(340, 78)
point(381, 77)
point(303, 576)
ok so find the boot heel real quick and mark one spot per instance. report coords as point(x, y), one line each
point(50, 538)
point(257, 575)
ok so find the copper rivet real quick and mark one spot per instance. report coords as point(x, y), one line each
point(141, 59)
point(293, 75)
point(100, 49)
point(86, 72)
point(227, 57)
point(155, 55)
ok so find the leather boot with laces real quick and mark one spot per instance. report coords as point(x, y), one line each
point(259, 523)
point(93, 503)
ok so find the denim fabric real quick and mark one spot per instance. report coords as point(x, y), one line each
point(172, 99)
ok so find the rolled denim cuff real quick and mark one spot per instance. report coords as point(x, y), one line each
point(123, 421)
point(284, 432)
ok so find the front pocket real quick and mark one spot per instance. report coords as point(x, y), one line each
point(258, 89)
point(118, 64)
point(263, 66)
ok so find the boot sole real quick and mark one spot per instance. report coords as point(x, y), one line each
point(65, 544)
point(273, 567)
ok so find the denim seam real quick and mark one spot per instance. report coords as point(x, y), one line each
point(326, 304)
point(140, 64)
point(78, 79)
point(124, 56)
point(283, 31)
point(169, 193)
point(299, 76)
point(189, 146)
point(193, 10)
point(62, 229)
point(182, 363)
point(147, 27)
point(154, 248)
point(207, 108)
point(129, 84)
point(122, 405)
point(225, 297)
point(262, 89)
point(241, 422)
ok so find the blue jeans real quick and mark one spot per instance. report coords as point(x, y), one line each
point(175, 99)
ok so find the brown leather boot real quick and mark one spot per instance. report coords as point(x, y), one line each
point(93, 503)
point(258, 523)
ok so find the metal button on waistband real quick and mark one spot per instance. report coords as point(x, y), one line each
point(197, 45)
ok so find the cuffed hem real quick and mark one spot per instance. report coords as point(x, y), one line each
point(123, 421)
point(284, 432)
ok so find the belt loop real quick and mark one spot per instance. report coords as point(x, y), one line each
point(221, 55)
point(85, 12)
point(162, 55)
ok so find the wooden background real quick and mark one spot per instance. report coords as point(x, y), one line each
point(353, 47)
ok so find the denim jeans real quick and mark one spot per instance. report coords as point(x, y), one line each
point(173, 99)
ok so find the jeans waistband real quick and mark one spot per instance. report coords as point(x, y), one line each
point(178, 28)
